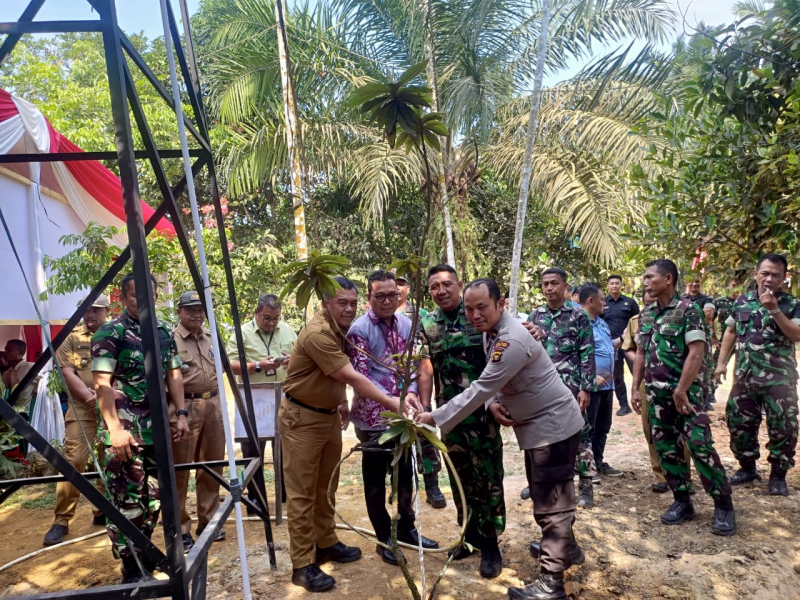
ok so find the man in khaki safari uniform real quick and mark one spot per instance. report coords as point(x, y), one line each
point(74, 357)
point(311, 419)
point(206, 440)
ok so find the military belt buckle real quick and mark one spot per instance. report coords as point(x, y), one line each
point(206, 395)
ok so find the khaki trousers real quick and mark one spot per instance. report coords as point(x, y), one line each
point(655, 465)
point(76, 451)
point(206, 442)
point(312, 446)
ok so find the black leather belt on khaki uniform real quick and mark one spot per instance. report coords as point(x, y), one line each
point(324, 411)
point(203, 395)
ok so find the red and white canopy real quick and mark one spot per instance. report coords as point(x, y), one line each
point(43, 202)
point(92, 191)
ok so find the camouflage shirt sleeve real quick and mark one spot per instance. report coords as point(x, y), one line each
point(586, 348)
point(106, 346)
point(794, 312)
point(174, 361)
point(422, 339)
point(694, 329)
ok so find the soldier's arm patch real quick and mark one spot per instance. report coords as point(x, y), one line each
point(497, 352)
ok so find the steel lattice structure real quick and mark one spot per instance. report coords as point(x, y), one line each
point(187, 575)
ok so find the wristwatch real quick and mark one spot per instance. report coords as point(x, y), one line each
point(774, 311)
point(257, 368)
point(183, 411)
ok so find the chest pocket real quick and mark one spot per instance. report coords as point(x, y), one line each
point(82, 359)
point(566, 340)
point(187, 359)
point(672, 338)
point(743, 317)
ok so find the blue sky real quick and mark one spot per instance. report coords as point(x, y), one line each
point(145, 15)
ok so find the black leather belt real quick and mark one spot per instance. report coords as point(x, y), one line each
point(324, 411)
point(203, 395)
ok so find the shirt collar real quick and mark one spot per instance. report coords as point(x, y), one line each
point(184, 333)
point(375, 320)
point(442, 313)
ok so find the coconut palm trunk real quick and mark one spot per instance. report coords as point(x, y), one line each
point(294, 139)
point(432, 83)
point(527, 161)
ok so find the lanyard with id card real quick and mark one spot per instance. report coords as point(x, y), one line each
point(270, 372)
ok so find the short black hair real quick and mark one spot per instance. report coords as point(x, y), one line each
point(774, 258)
point(344, 283)
point(129, 278)
point(570, 289)
point(575, 290)
point(491, 284)
point(18, 344)
point(441, 268)
point(379, 275)
point(665, 267)
point(589, 290)
point(614, 276)
point(556, 271)
point(268, 301)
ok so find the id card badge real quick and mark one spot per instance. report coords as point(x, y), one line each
point(270, 373)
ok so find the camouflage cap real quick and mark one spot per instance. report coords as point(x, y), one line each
point(189, 299)
point(101, 301)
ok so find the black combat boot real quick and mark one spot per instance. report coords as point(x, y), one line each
point(549, 586)
point(491, 559)
point(313, 579)
point(681, 510)
point(576, 554)
point(131, 573)
point(724, 518)
point(748, 472)
point(585, 493)
point(777, 483)
point(433, 495)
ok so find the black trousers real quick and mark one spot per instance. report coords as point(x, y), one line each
point(600, 412)
point(375, 464)
point(553, 495)
point(619, 377)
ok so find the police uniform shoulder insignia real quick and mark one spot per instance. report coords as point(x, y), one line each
point(497, 352)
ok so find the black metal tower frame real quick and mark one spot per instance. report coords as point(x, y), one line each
point(187, 576)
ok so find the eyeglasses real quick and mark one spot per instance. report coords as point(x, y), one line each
point(269, 319)
point(381, 298)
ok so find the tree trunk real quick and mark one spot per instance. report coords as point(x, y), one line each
point(525, 179)
point(442, 179)
point(294, 140)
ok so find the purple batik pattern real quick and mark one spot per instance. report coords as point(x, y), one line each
point(369, 333)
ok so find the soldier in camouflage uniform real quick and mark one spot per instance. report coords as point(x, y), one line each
point(566, 333)
point(431, 464)
point(706, 304)
point(669, 357)
point(456, 358)
point(127, 433)
point(764, 325)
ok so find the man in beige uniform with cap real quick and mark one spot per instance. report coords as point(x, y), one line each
point(74, 356)
point(522, 389)
point(206, 439)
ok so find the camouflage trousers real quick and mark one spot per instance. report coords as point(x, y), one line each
point(431, 462)
point(743, 413)
point(584, 460)
point(475, 448)
point(671, 431)
point(134, 493)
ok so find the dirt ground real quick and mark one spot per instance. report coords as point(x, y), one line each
point(630, 554)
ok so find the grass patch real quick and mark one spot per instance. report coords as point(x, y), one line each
point(41, 499)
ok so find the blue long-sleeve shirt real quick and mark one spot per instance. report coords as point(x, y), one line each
point(603, 352)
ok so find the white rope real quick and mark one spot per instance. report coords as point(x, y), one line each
point(48, 548)
point(418, 511)
point(212, 322)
